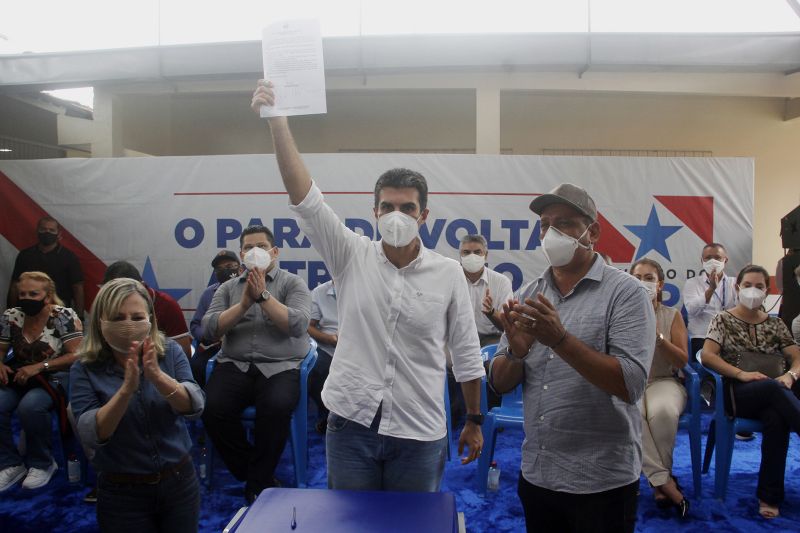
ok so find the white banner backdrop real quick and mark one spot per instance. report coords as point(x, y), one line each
point(170, 215)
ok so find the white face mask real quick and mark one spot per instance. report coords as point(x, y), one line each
point(752, 297)
point(651, 287)
point(257, 258)
point(713, 265)
point(397, 229)
point(559, 249)
point(472, 263)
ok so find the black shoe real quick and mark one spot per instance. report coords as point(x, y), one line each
point(683, 509)
point(745, 436)
point(664, 503)
point(91, 497)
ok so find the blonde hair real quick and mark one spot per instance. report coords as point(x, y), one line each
point(106, 306)
point(49, 284)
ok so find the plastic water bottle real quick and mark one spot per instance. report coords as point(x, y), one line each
point(203, 463)
point(493, 483)
point(74, 469)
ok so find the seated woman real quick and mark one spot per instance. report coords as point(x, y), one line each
point(665, 396)
point(130, 392)
point(747, 328)
point(45, 337)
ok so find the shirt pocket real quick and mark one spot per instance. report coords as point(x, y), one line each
point(592, 330)
point(424, 311)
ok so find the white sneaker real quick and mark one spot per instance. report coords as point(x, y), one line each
point(9, 476)
point(38, 478)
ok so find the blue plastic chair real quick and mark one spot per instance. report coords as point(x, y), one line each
point(509, 414)
point(690, 420)
point(298, 433)
point(487, 352)
point(722, 436)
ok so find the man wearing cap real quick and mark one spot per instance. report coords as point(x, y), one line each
point(581, 338)
point(226, 266)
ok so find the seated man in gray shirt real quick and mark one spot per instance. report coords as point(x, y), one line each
point(262, 318)
point(580, 338)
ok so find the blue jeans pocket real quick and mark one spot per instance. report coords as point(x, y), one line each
point(336, 422)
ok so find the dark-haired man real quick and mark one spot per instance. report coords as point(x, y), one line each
point(169, 315)
point(262, 318)
point(400, 305)
point(58, 262)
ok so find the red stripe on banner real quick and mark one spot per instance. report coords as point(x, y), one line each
point(697, 212)
point(613, 243)
point(275, 193)
point(18, 220)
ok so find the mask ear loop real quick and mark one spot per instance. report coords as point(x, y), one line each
point(589, 246)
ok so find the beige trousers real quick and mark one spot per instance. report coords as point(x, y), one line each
point(662, 405)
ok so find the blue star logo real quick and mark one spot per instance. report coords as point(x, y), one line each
point(149, 277)
point(653, 236)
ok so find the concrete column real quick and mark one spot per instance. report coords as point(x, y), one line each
point(107, 140)
point(487, 121)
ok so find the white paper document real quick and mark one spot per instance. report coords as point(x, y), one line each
point(292, 51)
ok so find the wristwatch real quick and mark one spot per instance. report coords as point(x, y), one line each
point(475, 419)
point(793, 374)
point(263, 297)
point(46, 366)
point(660, 338)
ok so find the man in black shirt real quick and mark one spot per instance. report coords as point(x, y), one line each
point(50, 257)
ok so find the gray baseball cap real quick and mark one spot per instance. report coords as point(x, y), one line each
point(569, 194)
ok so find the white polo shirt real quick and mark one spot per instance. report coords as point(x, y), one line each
point(394, 325)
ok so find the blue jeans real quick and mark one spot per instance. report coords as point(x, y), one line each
point(361, 459)
point(173, 505)
point(33, 408)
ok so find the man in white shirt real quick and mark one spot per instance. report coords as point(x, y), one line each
point(708, 293)
point(399, 305)
point(488, 290)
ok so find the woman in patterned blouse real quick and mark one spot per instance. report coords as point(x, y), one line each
point(44, 337)
point(748, 328)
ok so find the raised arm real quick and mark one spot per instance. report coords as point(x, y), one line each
point(295, 176)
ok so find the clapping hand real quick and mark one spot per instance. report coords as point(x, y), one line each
point(488, 305)
point(130, 384)
point(152, 370)
point(520, 338)
point(256, 283)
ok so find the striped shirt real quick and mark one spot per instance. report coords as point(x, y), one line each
point(578, 438)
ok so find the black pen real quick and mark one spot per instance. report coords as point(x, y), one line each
point(294, 517)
